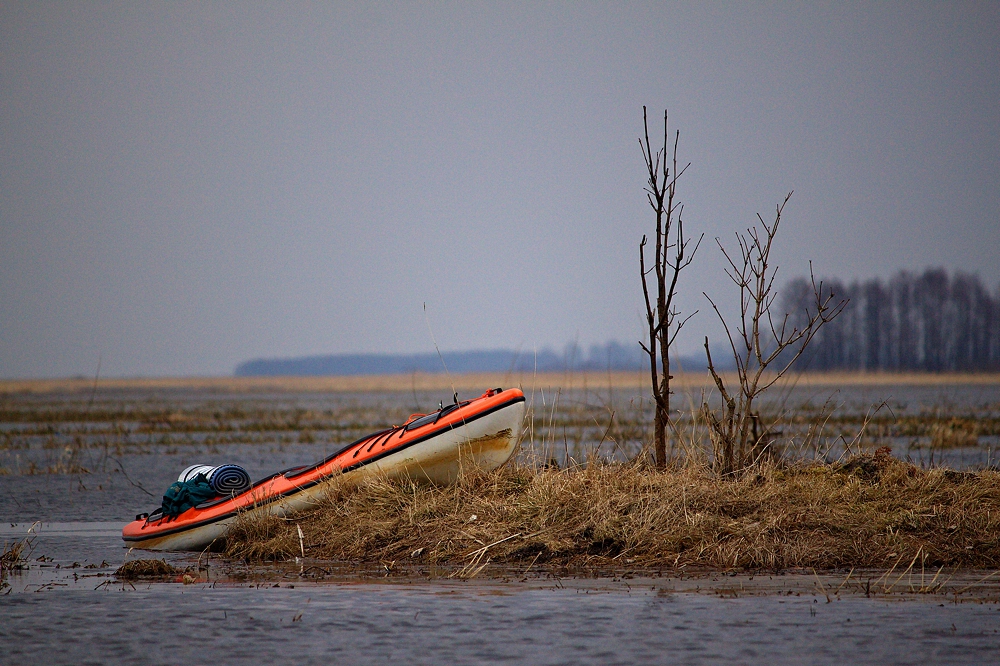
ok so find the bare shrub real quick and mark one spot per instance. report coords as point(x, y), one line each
point(763, 350)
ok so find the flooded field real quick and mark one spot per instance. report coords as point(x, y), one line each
point(93, 432)
point(75, 465)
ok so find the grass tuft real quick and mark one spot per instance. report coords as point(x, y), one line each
point(136, 569)
point(12, 558)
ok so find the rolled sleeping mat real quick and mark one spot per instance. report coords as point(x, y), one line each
point(229, 480)
point(224, 479)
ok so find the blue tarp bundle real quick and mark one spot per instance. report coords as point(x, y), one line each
point(182, 495)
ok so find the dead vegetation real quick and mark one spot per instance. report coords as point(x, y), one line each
point(14, 557)
point(956, 433)
point(145, 569)
point(871, 511)
point(764, 346)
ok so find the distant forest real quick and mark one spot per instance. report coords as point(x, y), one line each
point(926, 322)
point(610, 356)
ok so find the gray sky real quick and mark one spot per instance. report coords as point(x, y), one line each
point(186, 186)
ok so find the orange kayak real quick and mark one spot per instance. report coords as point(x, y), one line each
point(436, 447)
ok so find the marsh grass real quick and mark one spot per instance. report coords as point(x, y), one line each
point(14, 557)
point(140, 569)
point(868, 512)
point(955, 433)
point(261, 537)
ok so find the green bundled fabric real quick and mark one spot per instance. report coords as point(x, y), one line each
point(182, 495)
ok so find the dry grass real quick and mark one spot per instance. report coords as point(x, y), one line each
point(138, 569)
point(873, 511)
point(13, 557)
point(956, 433)
point(258, 538)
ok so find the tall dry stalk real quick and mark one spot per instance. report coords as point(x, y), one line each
point(671, 257)
point(739, 437)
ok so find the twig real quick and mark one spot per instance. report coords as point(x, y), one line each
point(537, 555)
point(821, 588)
point(983, 579)
point(128, 478)
point(844, 582)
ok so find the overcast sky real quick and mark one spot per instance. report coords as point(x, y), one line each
point(187, 186)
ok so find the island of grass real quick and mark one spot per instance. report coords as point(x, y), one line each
point(872, 511)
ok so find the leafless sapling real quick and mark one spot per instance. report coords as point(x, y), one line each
point(757, 344)
point(672, 255)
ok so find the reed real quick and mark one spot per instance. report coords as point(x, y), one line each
point(14, 557)
point(956, 433)
point(870, 511)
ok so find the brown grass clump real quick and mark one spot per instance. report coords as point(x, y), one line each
point(870, 512)
point(136, 569)
point(257, 538)
point(12, 558)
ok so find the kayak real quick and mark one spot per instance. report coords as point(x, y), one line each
point(477, 434)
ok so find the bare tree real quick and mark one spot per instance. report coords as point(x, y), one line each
point(876, 325)
point(905, 357)
point(671, 257)
point(738, 437)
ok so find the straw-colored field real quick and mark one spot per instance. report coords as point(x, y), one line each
point(440, 382)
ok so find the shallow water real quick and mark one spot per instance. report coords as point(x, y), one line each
point(432, 623)
point(68, 608)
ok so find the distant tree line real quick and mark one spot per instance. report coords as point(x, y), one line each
point(926, 322)
point(614, 356)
